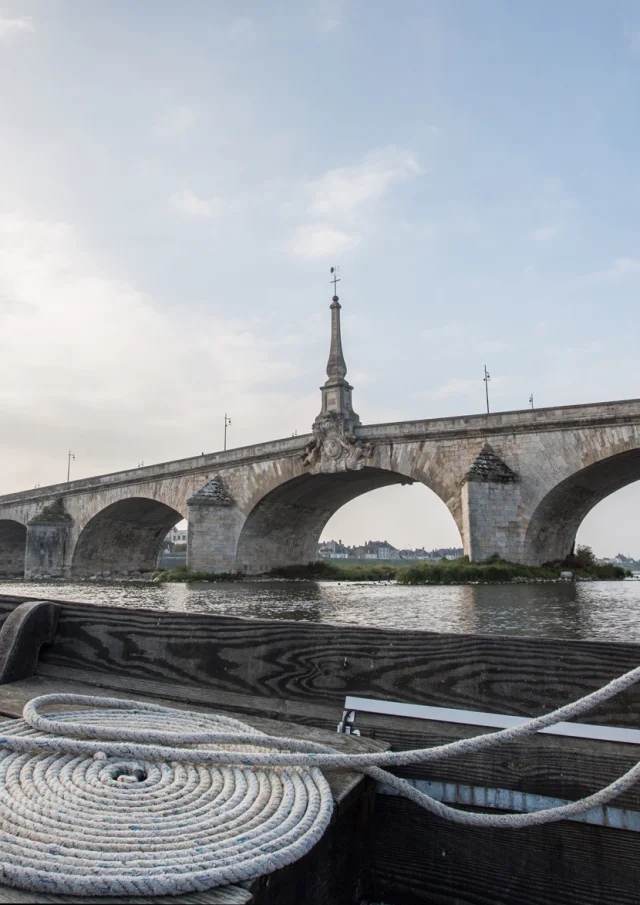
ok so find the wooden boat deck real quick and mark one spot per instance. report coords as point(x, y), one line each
point(292, 678)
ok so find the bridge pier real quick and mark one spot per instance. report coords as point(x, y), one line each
point(491, 521)
point(215, 524)
point(47, 538)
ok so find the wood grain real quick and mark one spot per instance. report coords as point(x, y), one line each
point(309, 663)
point(418, 859)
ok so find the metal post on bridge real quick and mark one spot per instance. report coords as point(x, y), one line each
point(227, 423)
point(486, 378)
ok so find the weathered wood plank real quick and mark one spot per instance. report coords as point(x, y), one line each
point(418, 859)
point(542, 765)
point(296, 661)
point(274, 708)
point(22, 634)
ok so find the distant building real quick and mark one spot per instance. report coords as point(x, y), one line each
point(418, 554)
point(333, 549)
point(178, 536)
point(445, 553)
point(174, 538)
point(383, 550)
point(376, 549)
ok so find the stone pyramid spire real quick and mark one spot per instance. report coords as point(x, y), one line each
point(336, 392)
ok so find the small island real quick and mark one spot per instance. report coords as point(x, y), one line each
point(580, 565)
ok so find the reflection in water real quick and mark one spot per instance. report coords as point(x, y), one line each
point(585, 610)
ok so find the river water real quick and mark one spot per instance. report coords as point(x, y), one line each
point(603, 610)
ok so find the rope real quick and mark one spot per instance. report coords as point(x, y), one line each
point(120, 800)
point(88, 823)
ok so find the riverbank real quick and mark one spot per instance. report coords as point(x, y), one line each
point(580, 566)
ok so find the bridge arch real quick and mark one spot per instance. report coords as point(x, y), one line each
point(13, 542)
point(124, 537)
point(284, 526)
point(555, 521)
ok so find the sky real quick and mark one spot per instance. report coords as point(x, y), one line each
point(177, 179)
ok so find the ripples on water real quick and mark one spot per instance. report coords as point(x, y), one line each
point(585, 610)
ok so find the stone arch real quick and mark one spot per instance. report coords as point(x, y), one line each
point(284, 526)
point(13, 543)
point(124, 537)
point(555, 521)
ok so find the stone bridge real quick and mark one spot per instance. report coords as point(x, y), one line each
point(518, 484)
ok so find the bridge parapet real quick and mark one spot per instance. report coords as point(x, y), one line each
point(565, 417)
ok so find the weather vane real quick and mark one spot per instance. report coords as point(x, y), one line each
point(335, 280)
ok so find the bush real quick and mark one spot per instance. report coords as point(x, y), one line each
point(461, 571)
point(581, 558)
point(182, 573)
point(326, 571)
point(582, 563)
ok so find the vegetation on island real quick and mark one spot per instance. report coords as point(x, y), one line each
point(321, 570)
point(182, 573)
point(581, 564)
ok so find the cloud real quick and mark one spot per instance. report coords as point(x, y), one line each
point(240, 27)
point(318, 242)
point(454, 387)
point(543, 233)
point(90, 362)
point(187, 202)
point(10, 27)
point(622, 267)
point(633, 39)
point(348, 196)
point(619, 269)
point(174, 123)
point(342, 193)
point(328, 15)
point(457, 387)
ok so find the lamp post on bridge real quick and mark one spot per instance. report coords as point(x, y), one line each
point(486, 378)
point(531, 400)
point(227, 423)
point(70, 456)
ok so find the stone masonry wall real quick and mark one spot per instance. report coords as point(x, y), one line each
point(212, 539)
point(491, 521)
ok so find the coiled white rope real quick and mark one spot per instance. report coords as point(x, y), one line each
point(150, 814)
point(77, 820)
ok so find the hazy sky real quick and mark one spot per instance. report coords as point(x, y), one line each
point(177, 179)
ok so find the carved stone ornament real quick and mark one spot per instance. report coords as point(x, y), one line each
point(212, 494)
point(333, 449)
point(53, 514)
point(490, 468)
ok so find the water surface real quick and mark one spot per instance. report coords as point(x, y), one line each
point(601, 610)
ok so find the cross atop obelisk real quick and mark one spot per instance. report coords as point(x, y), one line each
point(335, 281)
